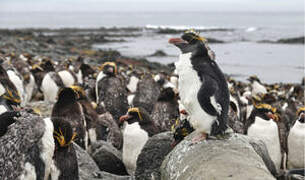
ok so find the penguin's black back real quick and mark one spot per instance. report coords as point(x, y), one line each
point(67, 108)
point(214, 80)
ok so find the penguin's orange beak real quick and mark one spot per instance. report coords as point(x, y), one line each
point(272, 116)
point(176, 41)
point(183, 111)
point(124, 118)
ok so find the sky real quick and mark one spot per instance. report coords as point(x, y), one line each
point(150, 5)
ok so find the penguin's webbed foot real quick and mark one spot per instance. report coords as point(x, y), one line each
point(201, 137)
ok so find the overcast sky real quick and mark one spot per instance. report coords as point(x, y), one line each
point(151, 5)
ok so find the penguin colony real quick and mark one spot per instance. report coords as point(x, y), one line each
point(126, 105)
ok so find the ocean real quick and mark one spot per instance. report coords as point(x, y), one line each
point(240, 56)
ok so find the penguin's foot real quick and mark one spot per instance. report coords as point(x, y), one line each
point(201, 137)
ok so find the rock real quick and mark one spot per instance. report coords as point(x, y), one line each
point(297, 40)
point(233, 157)
point(108, 158)
point(107, 176)
point(152, 156)
point(159, 53)
point(86, 165)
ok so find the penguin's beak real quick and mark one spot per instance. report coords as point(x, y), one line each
point(110, 70)
point(180, 43)
point(271, 116)
point(125, 118)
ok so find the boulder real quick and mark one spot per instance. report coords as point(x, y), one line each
point(108, 158)
point(152, 156)
point(108, 176)
point(232, 157)
point(88, 169)
point(86, 165)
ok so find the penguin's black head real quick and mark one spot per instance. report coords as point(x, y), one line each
point(81, 94)
point(301, 114)
point(253, 78)
point(63, 133)
point(67, 94)
point(86, 69)
point(167, 94)
point(109, 68)
point(3, 73)
point(191, 42)
point(47, 65)
point(266, 112)
point(135, 115)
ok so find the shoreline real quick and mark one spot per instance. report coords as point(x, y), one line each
point(72, 42)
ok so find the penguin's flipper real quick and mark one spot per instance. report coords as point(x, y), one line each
point(205, 95)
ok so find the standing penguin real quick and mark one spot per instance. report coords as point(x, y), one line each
point(165, 110)
point(202, 86)
point(27, 148)
point(148, 91)
point(111, 93)
point(138, 127)
point(64, 165)
point(296, 142)
point(261, 125)
point(70, 110)
point(257, 87)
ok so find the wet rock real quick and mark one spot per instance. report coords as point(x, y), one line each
point(108, 158)
point(152, 156)
point(297, 40)
point(232, 157)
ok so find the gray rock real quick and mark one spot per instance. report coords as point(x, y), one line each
point(229, 158)
point(152, 156)
point(108, 176)
point(108, 158)
point(86, 165)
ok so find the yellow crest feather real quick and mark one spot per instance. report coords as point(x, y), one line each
point(137, 111)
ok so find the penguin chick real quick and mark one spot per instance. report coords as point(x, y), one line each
point(202, 86)
point(148, 91)
point(111, 92)
point(65, 165)
point(165, 110)
point(70, 110)
point(96, 130)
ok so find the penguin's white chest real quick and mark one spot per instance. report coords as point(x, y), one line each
point(18, 83)
point(267, 131)
point(49, 89)
point(257, 88)
point(132, 85)
point(134, 140)
point(29, 88)
point(188, 86)
point(296, 146)
point(66, 78)
point(100, 76)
